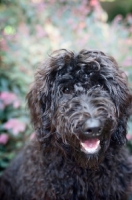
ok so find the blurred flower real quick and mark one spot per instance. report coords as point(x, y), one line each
point(118, 19)
point(4, 138)
point(40, 6)
point(127, 62)
point(16, 104)
point(9, 98)
point(82, 25)
point(129, 136)
point(40, 32)
point(94, 3)
point(3, 45)
point(15, 125)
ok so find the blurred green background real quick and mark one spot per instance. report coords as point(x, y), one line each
point(30, 30)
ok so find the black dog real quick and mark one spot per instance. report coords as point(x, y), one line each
point(80, 105)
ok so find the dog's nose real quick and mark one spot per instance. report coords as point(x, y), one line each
point(91, 126)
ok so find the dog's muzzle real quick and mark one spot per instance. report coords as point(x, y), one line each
point(89, 135)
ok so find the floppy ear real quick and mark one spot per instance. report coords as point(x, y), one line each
point(119, 136)
point(39, 101)
point(115, 81)
point(122, 98)
point(39, 97)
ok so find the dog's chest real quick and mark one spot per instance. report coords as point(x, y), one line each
point(75, 183)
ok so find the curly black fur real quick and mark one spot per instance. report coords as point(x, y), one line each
point(72, 91)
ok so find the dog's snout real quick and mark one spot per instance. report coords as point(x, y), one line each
point(91, 126)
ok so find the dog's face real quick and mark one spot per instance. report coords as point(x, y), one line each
point(82, 101)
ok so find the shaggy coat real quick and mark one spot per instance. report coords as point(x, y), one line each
point(79, 105)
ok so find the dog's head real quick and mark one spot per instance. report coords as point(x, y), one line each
point(83, 101)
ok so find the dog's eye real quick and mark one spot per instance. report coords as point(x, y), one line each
point(67, 90)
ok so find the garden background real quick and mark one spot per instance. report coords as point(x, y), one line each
point(31, 30)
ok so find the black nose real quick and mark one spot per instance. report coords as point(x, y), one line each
point(91, 126)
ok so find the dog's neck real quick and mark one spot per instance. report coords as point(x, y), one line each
point(56, 150)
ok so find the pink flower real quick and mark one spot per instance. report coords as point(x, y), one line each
point(117, 19)
point(40, 31)
point(94, 3)
point(9, 98)
point(15, 125)
point(129, 136)
point(127, 62)
point(16, 104)
point(4, 138)
point(3, 44)
point(41, 6)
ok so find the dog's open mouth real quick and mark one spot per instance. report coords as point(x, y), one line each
point(90, 146)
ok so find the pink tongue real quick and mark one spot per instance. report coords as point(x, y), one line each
point(91, 143)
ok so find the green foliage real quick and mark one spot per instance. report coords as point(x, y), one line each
point(30, 31)
point(116, 7)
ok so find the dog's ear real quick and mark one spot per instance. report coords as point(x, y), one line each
point(38, 100)
point(119, 136)
point(120, 94)
point(116, 83)
point(39, 97)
